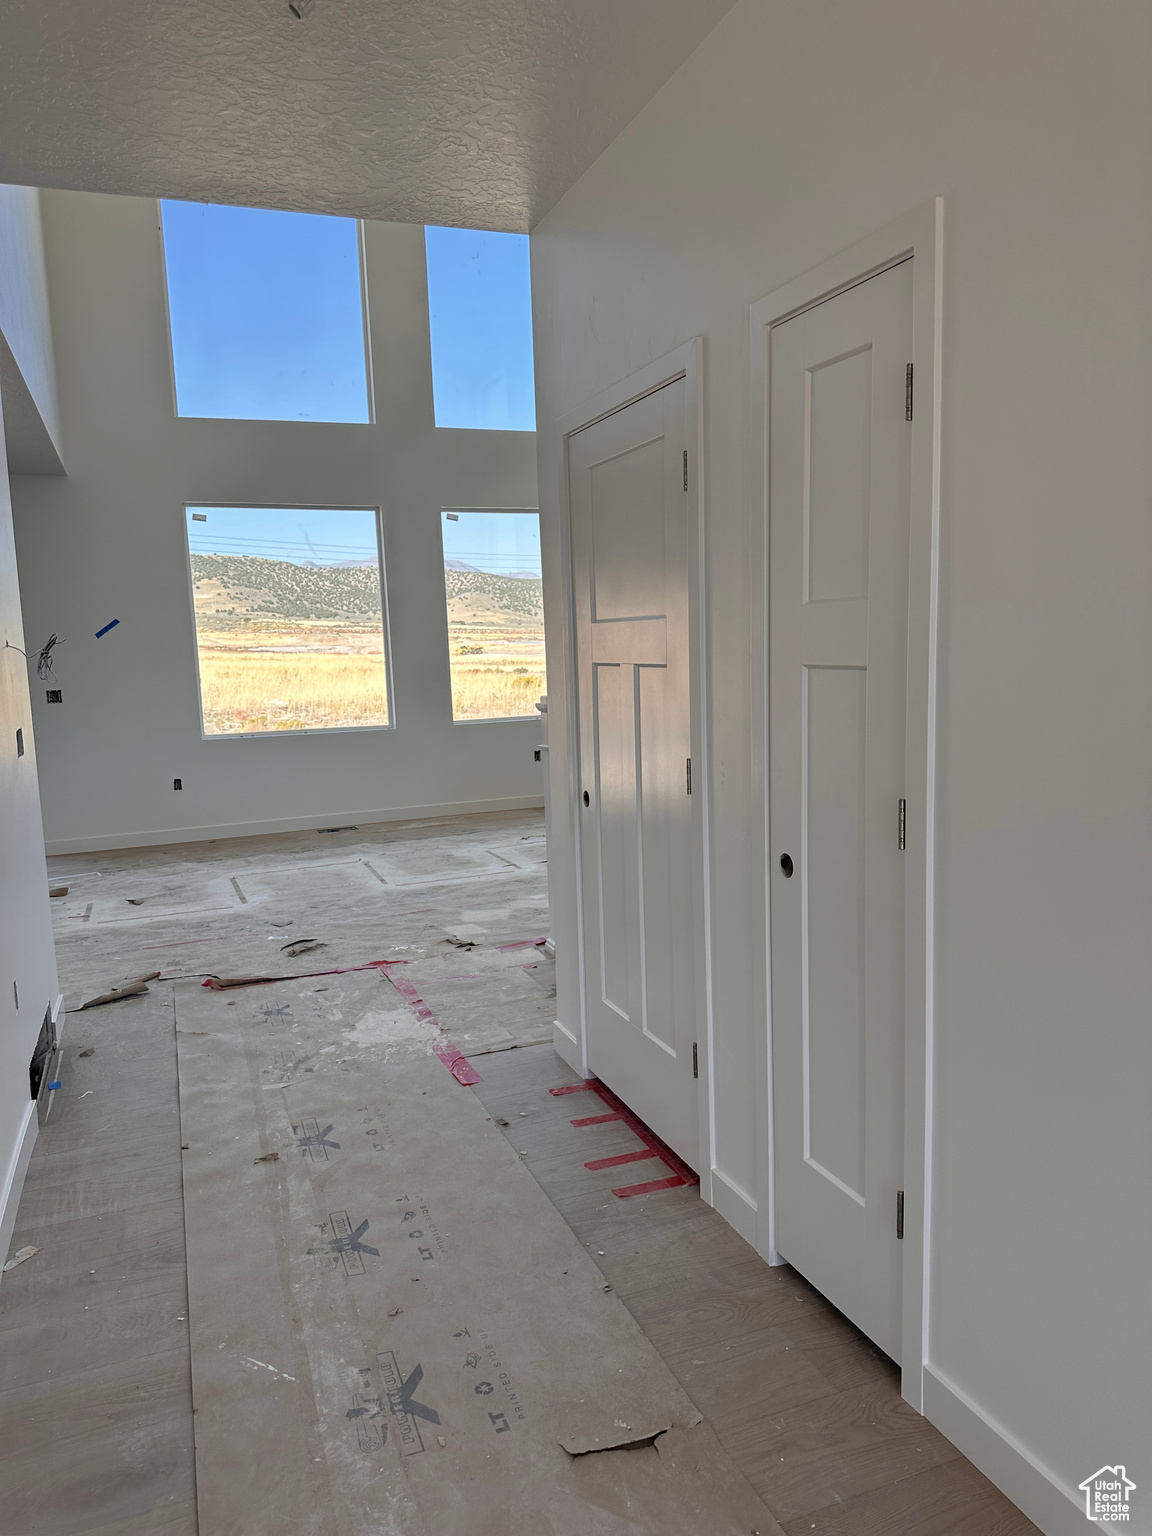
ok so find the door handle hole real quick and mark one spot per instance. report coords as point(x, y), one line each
point(587, 798)
point(786, 865)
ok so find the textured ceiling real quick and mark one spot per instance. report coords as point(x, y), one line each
point(465, 112)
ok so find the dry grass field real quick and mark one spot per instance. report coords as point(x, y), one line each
point(289, 648)
point(247, 691)
point(497, 668)
point(495, 693)
point(257, 691)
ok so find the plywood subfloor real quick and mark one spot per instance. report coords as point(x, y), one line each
point(808, 1409)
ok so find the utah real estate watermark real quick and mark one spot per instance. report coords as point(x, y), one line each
point(1107, 1495)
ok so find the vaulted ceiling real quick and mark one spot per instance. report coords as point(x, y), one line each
point(465, 112)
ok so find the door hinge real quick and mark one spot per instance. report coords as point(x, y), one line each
point(695, 1060)
point(685, 469)
point(908, 392)
point(902, 824)
point(900, 1214)
point(688, 772)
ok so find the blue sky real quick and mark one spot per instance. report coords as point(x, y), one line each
point(267, 319)
point(296, 534)
point(266, 314)
point(505, 543)
point(480, 319)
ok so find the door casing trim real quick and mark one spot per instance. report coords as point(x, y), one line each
point(917, 234)
point(683, 362)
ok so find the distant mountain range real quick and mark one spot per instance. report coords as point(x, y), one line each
point(235, 588)
point(478, 597)
point(250, 587)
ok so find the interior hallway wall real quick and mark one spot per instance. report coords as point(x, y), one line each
point(796, 129)
point(108, 543)
point(28, 984)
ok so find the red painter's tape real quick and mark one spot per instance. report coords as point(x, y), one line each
point(410, 995)
point(675, 1182)
point(457, 1063)
point(624, 1157)
point(681, 1173)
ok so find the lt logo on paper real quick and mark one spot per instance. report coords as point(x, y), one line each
point(1106, 1495)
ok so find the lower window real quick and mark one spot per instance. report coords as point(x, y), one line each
point(495, 604)
point(289, 610)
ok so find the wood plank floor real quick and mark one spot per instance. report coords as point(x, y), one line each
point(95, 1392)
point(804, 1404)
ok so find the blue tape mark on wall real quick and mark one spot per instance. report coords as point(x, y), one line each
point(106, 628)
point(54, 1085)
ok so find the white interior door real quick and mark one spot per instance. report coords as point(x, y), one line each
point(839, 462)
point(629, 510)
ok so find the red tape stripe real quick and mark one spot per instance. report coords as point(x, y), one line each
point(624, 1157)
point(675, 1182)
point(457, 1063)
point(682, 1175)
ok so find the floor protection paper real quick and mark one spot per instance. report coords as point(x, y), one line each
point(393, 1330)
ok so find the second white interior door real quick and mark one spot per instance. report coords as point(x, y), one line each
point(839, 464)
point(629, 509)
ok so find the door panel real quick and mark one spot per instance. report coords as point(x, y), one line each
point(839, 458)
point(628, 551)
point(832, 865)
point(630, 574)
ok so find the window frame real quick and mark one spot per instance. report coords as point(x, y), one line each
point(277, 421)
point(385, 623)
point(486, 719)
point(472, 427)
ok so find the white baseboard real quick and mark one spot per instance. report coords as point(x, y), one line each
point(566, 1045)
point(1031, 1486)
point(108, 841)
point(14, 1178)
point(735, 1205)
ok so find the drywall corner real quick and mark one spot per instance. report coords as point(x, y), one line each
point(27, 360)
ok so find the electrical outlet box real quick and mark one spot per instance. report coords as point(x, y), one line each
point(177, 783)
point(54, 695)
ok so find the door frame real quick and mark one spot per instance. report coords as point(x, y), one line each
point(917, 234)
point(683, 362)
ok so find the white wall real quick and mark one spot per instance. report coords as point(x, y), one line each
point(27, 371)
point(27, 957)
point(796, 129)
point(108, 542)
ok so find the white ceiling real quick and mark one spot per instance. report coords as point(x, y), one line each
point(464, 112)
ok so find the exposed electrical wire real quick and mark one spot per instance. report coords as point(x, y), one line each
point(44, 659)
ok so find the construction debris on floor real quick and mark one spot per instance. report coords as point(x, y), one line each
point(416, 892)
